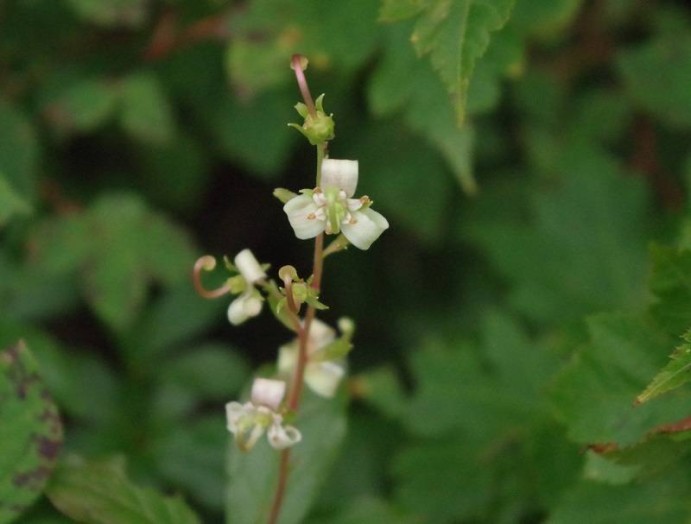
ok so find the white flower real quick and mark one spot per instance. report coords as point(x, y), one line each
point(322, 377)
point(331, 209)
point(249, 303)
point(250, 420)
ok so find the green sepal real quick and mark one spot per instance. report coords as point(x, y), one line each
point(237, 284)
point(312, 300)
point(277, 303)
point(284, 195)
point(229, 265)
point(336, 350)
point(301, 109)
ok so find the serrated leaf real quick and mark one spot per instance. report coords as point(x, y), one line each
point(11, 203)
point(253, 475)
point(145, 112)
point(671, 284)
point(100, 493)
point(593, 395)
point(455, 34)
point(675, 374)
point(30, 433)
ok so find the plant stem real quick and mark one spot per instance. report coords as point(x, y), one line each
point(296, 387)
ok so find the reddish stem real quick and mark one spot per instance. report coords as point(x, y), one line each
point(296, 64)
point(206, 263)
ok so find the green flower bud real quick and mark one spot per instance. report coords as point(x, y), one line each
point(317, 128)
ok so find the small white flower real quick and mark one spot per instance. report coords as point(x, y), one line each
point(322, 377)
point(249, 303)
point(250, 420)
point(331, 209)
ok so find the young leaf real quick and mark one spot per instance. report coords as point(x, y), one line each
point(455, 34)
point(675, 374)
point(671, 284)
point(30, 433)
point(253, 475)
point(101, 493)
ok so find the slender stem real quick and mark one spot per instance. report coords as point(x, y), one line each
point(296, 64)
point(296, 387)
point(281, 488)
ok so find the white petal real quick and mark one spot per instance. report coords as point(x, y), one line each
point(342, 174)
point(267, 392)
point(320, 335)
point(364, 228)
point(250, 269)
point(247, 305)
point(303, 217)
point(281, 437)
point(235, 412)
point(287, 358)
point(323, 377)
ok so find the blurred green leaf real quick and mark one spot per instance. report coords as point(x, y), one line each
point(84, 106)
point(675, 374)
point(30, 434)
point(120, 247)
point(101, 493)
point(11, 203)
point(19, 150)
point(191, 455)
point(455, 35)
point(111, 12)
point(584, 249)
point(145, 112)
point(253, 475)
point(660, 501)
point(657, 75)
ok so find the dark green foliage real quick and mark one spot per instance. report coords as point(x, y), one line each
point(522, 342)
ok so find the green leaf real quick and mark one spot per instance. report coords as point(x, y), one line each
point(30, 434)
point(101, 493)
point(593, 395)
point(675, 374)
point(111, 13)
point(591, 220)
point(84, 106)
point(11, 203)
point(120, 247)
point(657, 74)
point(253, 475)
point(19, 150)
point(662, 501)
point(145, 111)
point(671, 284)
point(455, 34)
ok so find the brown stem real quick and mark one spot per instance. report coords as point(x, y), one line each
point(281, 488)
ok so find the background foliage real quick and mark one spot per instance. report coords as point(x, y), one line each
point(533, 284)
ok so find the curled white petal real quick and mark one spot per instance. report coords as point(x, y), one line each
point(364, 227)
point(342, 174)
point(250, 269)
point(280, 436)
point(268, 392)
point(247, 305)
point(324, 377)
point(305, 217)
